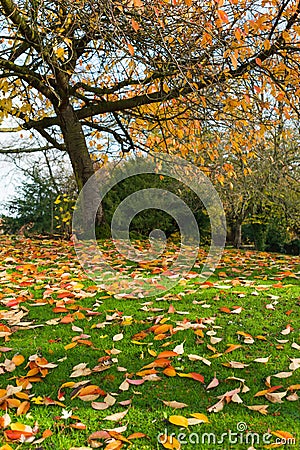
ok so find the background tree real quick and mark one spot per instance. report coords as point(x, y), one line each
point(91, 76)
point(262, 189)
point(43, 202)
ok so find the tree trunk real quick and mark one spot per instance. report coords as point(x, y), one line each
point(237, 233)
point(91, 207)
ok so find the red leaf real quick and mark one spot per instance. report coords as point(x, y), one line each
point(197, 377)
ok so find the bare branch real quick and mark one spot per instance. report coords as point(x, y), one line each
point(9, 151)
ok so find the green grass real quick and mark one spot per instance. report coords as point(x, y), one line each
point(147, 413)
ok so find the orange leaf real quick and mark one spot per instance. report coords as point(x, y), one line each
point(114, 445)
point(13, 402)
point(161, 329)
point(197, 377)
point(118, 436)
point(167, 354)
point(222, 16)
point(225, 309)
point(294, 387)
point(23, 408)
point(135, 25)
point(283, 434)
point(91, 390)
point(137, 435)
point(67, 319)
point(47, 433)
point(18, 360)
point(232, 347)
point(193, 375)
point(78, 426)
point(131, 49)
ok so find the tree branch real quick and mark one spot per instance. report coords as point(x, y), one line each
point(32, 78)
point(11, 11)
point(9, 151)
point(51, 140)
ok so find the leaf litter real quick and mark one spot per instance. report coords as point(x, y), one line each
point(46, 276)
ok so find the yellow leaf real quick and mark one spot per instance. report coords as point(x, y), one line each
point(37, 400)
point(68, 384)
point(179, 420)
point(59, 52)
point(20, 427)
point(201, 416)
point(71, 345)
point(169, 442)
point(170, 372)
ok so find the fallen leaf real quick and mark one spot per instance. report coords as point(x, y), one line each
point(174, 404)
point(179, 420)
point(202, 417)
point(118, 337)
point(214, 383)
point(283, 374)
point(262, 360)
point(275, 397)
point(117, 416)
point(262, 409)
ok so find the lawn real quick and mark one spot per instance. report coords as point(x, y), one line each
point(209, 365)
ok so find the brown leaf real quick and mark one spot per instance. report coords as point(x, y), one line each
point(275, 397)
point(117, 416)
point(99, 435)
point(262, 409)
point(174, 404)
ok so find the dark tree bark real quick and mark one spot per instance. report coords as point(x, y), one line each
point(75, 143)
point(237, 233)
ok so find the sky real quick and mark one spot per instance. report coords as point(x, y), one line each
point(10, 176)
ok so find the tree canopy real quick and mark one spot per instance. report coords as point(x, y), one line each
point(97, 76)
